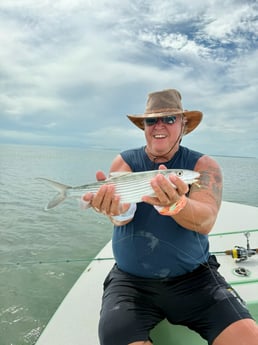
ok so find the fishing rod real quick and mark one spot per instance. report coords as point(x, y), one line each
point(240, 253)
point(57, 261)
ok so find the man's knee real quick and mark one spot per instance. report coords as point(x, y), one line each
point(112, 331)
point(120, 331)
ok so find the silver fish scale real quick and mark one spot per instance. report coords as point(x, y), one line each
point(131, 186)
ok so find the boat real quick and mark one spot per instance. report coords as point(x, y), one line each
point(234, 240)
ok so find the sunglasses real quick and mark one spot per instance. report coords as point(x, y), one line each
point(168, 120)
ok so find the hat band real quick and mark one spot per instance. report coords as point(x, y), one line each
point(164, 110)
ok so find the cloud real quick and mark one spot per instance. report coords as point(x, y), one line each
point(114, 137)
point(72, 70)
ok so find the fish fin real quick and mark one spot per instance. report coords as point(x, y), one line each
point(60, 196)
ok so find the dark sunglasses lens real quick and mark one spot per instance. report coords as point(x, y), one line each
point(169, 119)
point(151, 121)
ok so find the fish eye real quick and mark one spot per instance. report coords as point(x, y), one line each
point(180, 173)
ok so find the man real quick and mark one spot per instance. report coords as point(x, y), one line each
point(163, 266)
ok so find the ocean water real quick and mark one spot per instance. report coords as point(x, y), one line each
point(43, 253)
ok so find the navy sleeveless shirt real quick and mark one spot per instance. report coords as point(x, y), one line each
point(152, 245)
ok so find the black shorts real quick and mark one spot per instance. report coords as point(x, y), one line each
point(201, 300)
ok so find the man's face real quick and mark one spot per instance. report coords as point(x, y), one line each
point(162, 133)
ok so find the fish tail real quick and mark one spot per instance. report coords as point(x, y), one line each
point(60, 196)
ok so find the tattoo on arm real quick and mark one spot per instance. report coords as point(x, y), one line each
point(210, 181)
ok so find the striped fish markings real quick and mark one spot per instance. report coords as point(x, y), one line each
point(131, 186)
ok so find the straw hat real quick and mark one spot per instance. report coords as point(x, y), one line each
point(165, 103)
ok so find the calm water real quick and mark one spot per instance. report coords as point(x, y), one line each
point(35, 245)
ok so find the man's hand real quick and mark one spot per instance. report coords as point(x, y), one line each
point(105, 201)
point(167, 192)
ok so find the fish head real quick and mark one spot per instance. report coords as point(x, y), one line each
point(188, 176)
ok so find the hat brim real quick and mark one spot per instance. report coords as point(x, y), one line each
point(193, 117)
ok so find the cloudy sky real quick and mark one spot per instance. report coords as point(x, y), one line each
point(70, 70)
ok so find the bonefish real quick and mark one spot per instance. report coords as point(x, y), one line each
point(131, 186)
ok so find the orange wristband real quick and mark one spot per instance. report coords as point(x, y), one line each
point(175, 208)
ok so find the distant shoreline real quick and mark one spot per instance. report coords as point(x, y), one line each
point(248, 157)
point(99, 148)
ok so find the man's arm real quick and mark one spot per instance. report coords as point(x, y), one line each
point(203, 202)
point(201, 210)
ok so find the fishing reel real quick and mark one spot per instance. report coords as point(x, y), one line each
point(241, 253)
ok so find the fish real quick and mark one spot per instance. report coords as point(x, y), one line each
point(131, 186)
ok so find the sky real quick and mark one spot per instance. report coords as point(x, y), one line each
point(71, 70)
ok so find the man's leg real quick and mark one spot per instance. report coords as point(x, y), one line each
point(242, 332)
